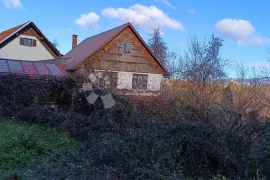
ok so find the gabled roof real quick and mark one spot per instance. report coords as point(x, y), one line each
point(92, 44)
point(9, 34)
point(29, 68)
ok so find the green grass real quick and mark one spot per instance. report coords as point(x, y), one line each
point(26, 147)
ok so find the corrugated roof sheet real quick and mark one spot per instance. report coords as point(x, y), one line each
point(29, 68)
point(90, 45)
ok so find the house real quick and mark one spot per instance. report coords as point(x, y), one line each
point(26, 42)
point(121, 52)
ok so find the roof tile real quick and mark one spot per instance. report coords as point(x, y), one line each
point(6, 33)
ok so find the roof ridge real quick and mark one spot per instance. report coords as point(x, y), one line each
point(98, 35)
point(92, 44)
point(6, 33)
point(110, 30)
point(20, 25)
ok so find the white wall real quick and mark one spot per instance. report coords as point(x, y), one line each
point(13, 50)
point(124, 80)
point(154, 82)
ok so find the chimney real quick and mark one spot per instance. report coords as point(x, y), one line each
point(74, 40)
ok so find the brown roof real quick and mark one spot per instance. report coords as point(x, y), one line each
point(61, 60)
point(6, 33)
point(92, 44)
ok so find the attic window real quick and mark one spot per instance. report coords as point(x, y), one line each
point(28, 42)
point(127, 47)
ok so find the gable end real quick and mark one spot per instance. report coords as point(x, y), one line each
point(31, 30)
point(138, 44)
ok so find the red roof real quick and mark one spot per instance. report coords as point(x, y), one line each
point(6, 33)
point(92, 44)
point(29, 68)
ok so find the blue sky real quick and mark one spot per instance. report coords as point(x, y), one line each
point(244, 25)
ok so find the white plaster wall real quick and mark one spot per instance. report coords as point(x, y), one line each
point(154, 82)
point(124, 80)
point(13, 50)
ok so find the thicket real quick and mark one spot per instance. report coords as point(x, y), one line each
point(151, 139)
point(27, 148)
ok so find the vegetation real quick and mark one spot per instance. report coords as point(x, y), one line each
point(26, 149)
point(143, 140)
point(158, 46)
point(202, 61)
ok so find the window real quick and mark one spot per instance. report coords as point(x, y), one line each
point(28, 42)
point(139, 81)
point(127, 47)
point(108, 80)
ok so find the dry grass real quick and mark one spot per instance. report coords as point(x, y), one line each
point(246, 98)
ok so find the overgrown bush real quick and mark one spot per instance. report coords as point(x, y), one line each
point(144, 139)
point(27, 149)
point(21, 91)
point(40, 115)
point(139, 147)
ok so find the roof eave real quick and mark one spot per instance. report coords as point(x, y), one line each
point(50, 44)
point(26, 24)
point(56, 51)
point(144, 43)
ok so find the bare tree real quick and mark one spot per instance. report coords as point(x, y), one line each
point(158, 46)
point(203, 62)
point(55, 43)
point(175, 65)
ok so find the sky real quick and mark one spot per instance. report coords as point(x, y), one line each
point(243, 25)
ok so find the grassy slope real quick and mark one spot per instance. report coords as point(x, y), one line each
point(25, 149)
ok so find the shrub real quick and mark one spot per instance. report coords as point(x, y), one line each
point(20, 91)
point(40, 115)
point(26, 149)
point(158, 138)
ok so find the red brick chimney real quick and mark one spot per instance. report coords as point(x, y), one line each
point(74, 40)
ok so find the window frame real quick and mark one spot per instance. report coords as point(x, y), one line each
point(28, 42)
point(127, 47)
point(139, 81)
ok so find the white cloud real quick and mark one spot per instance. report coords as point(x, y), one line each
point(12, 3)
point(89, 20)
point(167, 3)
point(239, 30)
point(147, 17)
point(192, 11)
point(236, 29)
